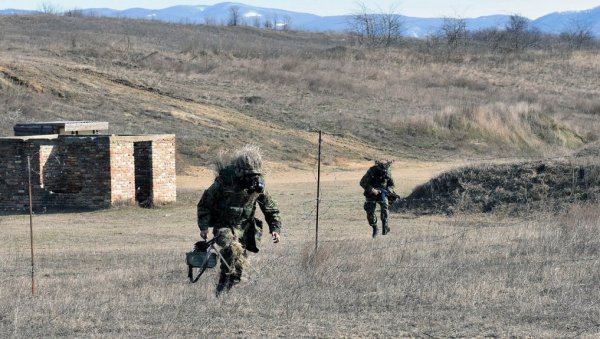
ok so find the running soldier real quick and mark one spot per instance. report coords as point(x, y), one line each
point(378, 188)
point(229, 207)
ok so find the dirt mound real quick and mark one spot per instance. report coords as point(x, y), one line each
point(512, 188)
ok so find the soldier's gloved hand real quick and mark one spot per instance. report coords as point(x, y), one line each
point(204, 234)
point(375, 191)
point(276, 237)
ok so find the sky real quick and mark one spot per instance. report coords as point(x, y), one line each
point(418, 8)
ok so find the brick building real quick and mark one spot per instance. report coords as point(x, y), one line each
point(75, 167)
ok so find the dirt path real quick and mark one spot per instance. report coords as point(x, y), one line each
point(407, 174)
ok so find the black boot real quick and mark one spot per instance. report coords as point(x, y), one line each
point(385, 229)
point(375, 231)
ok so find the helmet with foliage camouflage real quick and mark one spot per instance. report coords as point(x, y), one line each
point(246, 161)
point(383, 166)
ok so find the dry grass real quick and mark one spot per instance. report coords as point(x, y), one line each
point(166, 75)
point(523, 127)
point(121, 273)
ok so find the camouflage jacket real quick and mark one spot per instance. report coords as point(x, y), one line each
point(372, 180)
point(225, 204)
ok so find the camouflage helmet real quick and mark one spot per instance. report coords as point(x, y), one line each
point(383, 164)
point(244, 161)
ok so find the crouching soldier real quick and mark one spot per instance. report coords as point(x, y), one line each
point(378, 188)
point(229, 207)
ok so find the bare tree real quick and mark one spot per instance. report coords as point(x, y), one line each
point(518, 35)
point(49, 8)
point(256, 21)
point(579, 35)
point(234, 16)
point(376, 29)
point(285, 22)
point(275, 19)
point(391, 25)
point(454, 32)
point(362, 25)
point(268, 24)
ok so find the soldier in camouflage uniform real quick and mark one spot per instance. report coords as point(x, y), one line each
point(229, 207)
point(378, 177)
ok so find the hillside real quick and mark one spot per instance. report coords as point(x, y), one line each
point(223, 86)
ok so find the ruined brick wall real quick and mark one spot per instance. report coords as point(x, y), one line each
point(86, 172)
point(13, 176)
point(66, 173)
point(143, 169)
point(77, 173)
point(163, 169)
point(122, 183)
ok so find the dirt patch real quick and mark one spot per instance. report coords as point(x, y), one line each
point(513, 188)
point(407, 174)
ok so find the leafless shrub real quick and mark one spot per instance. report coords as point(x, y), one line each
point(234, 16)
point(578, 36)
point(49, 8)
point(286, 23)
point(518, 36)
point(376, 29)
point(454, 33)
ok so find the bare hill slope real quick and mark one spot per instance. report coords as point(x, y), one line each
point(224, 86)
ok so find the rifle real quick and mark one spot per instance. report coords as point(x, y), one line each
point(385, 193)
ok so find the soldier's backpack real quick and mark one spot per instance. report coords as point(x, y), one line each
point(203, 256)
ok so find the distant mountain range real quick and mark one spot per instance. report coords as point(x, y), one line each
point(553, 23)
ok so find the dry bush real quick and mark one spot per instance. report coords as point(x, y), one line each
point(521, 126)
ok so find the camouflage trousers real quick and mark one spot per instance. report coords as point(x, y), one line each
point(370, 208)
point(234, 255)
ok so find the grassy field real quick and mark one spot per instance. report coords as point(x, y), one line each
point(121, 272)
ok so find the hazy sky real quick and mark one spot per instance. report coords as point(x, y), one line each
point(421, 8)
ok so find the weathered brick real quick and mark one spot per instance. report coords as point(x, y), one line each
point(87, 171)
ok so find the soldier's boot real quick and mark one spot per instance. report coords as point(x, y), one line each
point(235, 279)
point(375, 230)
point(385, 228)
point(223, 285)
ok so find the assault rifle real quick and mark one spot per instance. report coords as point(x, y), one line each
point(385, 193)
